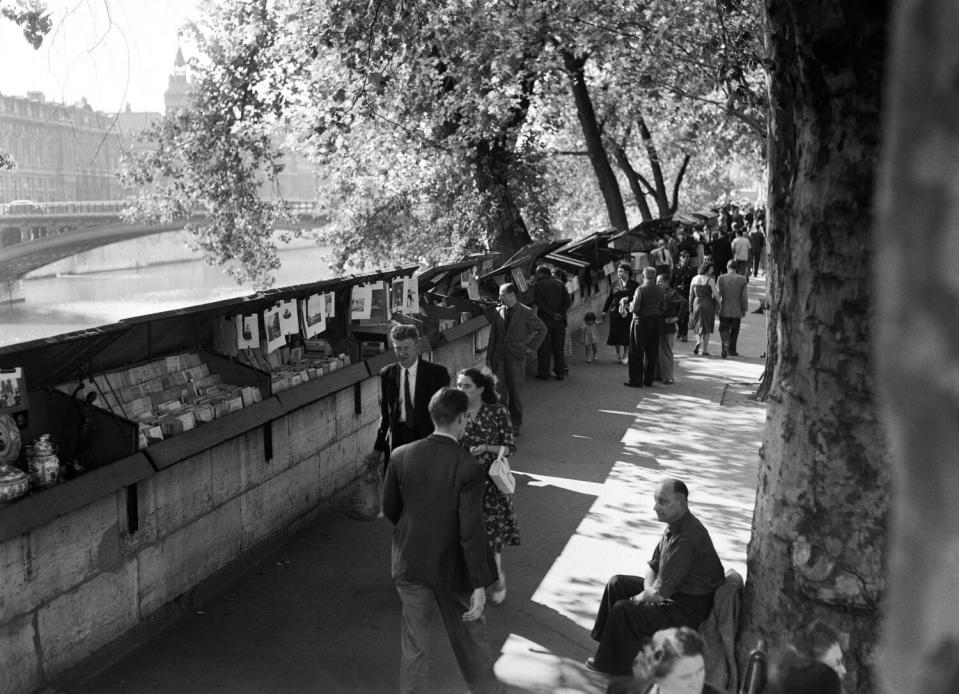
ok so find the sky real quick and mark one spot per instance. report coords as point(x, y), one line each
point(113, 52)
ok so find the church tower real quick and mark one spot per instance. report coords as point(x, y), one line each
point(177, 92)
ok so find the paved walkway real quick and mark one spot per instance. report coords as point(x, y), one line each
point(321, 615)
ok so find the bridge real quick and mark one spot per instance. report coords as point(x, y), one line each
point(36, 234)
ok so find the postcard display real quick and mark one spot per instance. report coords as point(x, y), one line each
point(166, 397)
point(267, 350)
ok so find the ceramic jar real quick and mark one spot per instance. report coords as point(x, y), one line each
point(13, 482)
point(42, 462)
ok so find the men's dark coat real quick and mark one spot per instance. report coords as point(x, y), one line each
point(552, 300)
point(433, 494)
point(430, 378)
point(525, 331)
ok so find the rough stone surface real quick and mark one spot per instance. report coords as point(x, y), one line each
point(172, 566)
point(18, 655)
point(77, 623)
point(311, 429)
point(177, 495)
point(280, 500)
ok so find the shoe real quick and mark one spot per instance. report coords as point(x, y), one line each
point(733, 354)
point(696, 349)
point(559, 377)
point(589, 360)
point(591, 665)
point(541, 377)
point(668, 382)
point(706, 354)
point(498, 593)
point(633, 385)
point(624, 361)
point(724, 353)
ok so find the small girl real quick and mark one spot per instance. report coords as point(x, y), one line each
point(590, 335)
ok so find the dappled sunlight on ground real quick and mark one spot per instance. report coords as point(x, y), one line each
point(529, 665)
point(677, 431)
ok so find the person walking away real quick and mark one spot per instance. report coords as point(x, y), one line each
point(590, 337)
point(405, 391)
point(488, 429)
point(703, 296)
point(680, 280)
point(515, 334)
point(623, 288)
point(552, 301)
point(675, 307)
point(742, 250)
point(441, 562)
point(733, 304)
point(757, 245)
point(649, 304)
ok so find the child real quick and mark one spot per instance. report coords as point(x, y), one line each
point(590, 336)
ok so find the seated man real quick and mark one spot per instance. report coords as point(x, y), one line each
point(677, 591)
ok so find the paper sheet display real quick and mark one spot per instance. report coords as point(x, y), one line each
point(247, 331)
point(313, 312)
point(288, 320)
point(275, 338)
point(361, 301)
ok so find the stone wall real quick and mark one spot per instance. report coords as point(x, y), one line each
point(73, 590)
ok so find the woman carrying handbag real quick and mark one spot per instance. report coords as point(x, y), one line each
point(488, 430)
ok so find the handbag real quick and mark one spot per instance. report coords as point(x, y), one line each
point(365, 499)
point(500, 473)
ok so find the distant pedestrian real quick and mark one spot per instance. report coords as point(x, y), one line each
point(441, 562)
point(733, 304)
point(676, 306)
point(741, 252)
point(648, 307)
point(623, 288)
point(703, 296)
point(757, 244)
point(680, 279)
point(552, 302)
point(590, 336)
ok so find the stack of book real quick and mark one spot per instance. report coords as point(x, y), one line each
point(168, 396)
point(292, 366)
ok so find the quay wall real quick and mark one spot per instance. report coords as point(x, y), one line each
point(88, 587)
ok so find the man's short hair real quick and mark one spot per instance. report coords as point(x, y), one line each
point(649, 273)
point(446, 405)
point(404, 331)
point(730, 264)
point(678, 487)
point(664, 278)
point(544, 270)
point(508, 287)
point(684, 254)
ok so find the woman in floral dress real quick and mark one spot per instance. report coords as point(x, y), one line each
point(489, 427)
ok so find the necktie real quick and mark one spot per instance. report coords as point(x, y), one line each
point(509, 317)
point(407, 400)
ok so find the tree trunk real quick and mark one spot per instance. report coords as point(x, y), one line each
point(506, 230)
point(818, 536)
point(622, 160)
point(659, 183)
point(916, 241)
point(608, 185)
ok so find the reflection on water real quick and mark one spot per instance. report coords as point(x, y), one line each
point(72, 302)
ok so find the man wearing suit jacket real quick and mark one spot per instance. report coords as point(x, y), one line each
point(552, 302)
point(405, 391)
point(733, 304)
point(516, 333)
point(441, 559)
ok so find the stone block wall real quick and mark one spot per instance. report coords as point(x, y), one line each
point(78, 584)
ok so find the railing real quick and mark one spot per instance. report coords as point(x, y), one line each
point(107, 207)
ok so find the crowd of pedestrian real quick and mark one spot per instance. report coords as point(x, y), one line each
point(454, 518)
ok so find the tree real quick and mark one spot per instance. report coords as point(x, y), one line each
point(818, 535)
point(915, 233)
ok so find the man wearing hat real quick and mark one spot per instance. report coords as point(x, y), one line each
point(680, 279)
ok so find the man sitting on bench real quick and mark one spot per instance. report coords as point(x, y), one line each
point(677, 590)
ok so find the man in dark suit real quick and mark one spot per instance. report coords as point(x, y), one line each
point(405, 391)
point(515, 334)
point(433, 494)
point(552, 301)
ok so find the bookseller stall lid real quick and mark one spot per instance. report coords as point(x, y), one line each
point(52, 360)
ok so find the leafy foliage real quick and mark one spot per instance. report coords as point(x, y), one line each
point(435, 124)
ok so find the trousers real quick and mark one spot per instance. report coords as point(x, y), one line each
point(729, 333)
point(511, 373)
point(552, 347)
point(644, 349)
point(623, 627)
point(666, 355)
point(470, 645)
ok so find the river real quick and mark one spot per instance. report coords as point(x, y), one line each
point(68, 302)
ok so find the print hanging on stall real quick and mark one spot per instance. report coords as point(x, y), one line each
point(247, 332)
point(411, 296)
point(274, 332)
point(313, 311)
point(361, 299)
point(289, 323)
